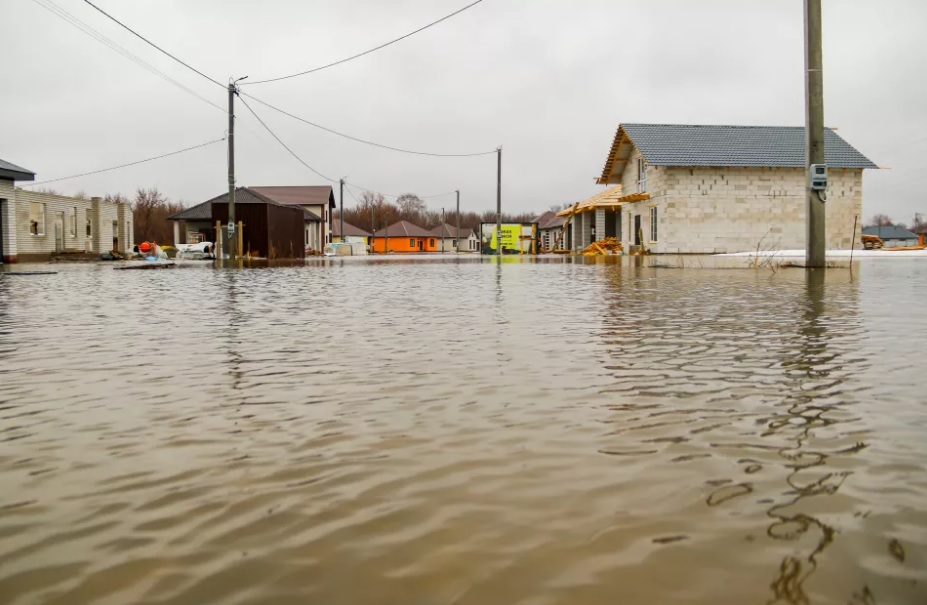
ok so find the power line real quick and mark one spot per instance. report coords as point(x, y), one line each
point(285, 146)
point(366, 52)
point(150, 43)
point(74, 176)
point(300, 160)
point(87, 29)
point(366, 142)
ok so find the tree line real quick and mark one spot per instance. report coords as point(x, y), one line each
point(374, 212)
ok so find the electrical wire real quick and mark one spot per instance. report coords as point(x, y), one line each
point(74, 176)
point(285, 146)
point(300, 160)
point(150, 43)
point(99, 37)
point(366, 52)
point(364, 141)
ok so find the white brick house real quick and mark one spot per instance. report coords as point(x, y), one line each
point(710, 189)
point(34, 225)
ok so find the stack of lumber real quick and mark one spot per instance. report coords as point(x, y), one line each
point(604, 247)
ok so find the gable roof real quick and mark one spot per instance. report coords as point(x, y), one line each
point(549, 220)
point(889, 232)
point(298, 195)
point(403, 229)
point(15, 173)
point(349, 229)
point(446, 231)
point(723, 146)
point(243, 195)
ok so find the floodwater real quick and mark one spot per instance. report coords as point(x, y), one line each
point(525, 433)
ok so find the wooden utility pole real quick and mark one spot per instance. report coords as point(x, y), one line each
point(499, 201)
point(457, 251)
point(815, 242)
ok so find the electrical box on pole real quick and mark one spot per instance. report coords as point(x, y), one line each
point(818, 177)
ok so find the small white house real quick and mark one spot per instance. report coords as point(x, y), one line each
point(448, 237)
point(34, 226)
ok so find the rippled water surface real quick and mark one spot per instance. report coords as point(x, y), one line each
point(443, 432)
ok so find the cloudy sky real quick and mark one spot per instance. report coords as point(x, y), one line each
point(549, 80)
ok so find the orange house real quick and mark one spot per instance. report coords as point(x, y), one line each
point(403, 237)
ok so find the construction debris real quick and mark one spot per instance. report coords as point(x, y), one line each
point(604, 247)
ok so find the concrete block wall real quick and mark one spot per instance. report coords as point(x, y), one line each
point(711, 210)
point(101, 215)
point(8, 220)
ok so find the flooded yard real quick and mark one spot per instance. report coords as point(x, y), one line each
point(532, 432)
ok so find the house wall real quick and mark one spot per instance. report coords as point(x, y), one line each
point(270, 231)
point(349, 239)
point(715, 210)
point(324, 227)
point(7, 221)
point(107, 221)
point(401, 244)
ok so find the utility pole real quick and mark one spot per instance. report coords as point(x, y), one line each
point(815, 244)
point(499, 201)
point(341, 210)
point(443, 228)
point(457, 250)
point(233, 248)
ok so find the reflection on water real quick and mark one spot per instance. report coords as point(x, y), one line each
point(463, 431)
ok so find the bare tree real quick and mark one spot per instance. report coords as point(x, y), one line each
point(411, 207)
point(880, 220)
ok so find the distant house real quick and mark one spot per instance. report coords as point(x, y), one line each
point(448, 236)
point(352, 234)
point(706, 189)
point(403, 236)
point(270, 229)
point(550, 224)
point(892, 235)
point(317, 199)
point(34, 226)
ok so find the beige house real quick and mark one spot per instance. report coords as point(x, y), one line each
point(34, 226)
point(448, 237)
point(317, 199)
point(711, 189)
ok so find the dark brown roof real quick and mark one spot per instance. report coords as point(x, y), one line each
point(243, 195)
point(446, 231)
point(549, 220)
point(349, 229)
point(298, 195)
point(404, 229)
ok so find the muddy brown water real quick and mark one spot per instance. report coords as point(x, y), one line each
point(441, 432)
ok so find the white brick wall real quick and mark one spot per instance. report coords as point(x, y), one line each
point(8, 220)
point(102, 214)
point(710, 210)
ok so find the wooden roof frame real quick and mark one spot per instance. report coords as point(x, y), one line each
point(622, 146)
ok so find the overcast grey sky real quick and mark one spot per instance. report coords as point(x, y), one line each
point(549, 80)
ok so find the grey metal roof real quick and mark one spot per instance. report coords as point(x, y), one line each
point(14, 172)
point(243, 195)
point(759, 146)
point(889, 232)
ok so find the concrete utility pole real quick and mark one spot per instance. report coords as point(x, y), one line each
point(499, 201)
point(443, 228)
point(341, 209)
point(457, 250)
point(816, 240)
point(233, 249)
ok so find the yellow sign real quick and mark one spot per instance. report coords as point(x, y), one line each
point(516, 237)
